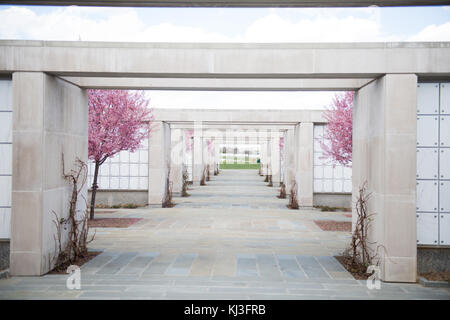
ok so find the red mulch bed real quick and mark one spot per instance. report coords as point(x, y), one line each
point(348, 215)
point(331, 225)
point(112, 222)
point(62, 269)
point(356, 272)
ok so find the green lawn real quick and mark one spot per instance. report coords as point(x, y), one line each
point(239, 166)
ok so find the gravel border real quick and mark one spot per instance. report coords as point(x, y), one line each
point(433, 284)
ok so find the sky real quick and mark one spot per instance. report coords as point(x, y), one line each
point(255, 25)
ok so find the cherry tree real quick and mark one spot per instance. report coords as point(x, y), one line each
point(338, 132)
point(118, 120)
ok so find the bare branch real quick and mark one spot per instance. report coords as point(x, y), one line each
point(78, 229)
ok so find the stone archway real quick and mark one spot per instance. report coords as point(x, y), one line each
point(49, 119)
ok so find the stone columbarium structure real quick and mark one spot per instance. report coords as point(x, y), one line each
point(401, 129)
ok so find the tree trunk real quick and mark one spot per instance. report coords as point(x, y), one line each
point(94, 189)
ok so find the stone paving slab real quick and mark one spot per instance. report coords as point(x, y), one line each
point(117, 263)
point(311, 267)
point(289, 267)
point(246, 266)
point(268, 266)
point(231, 239)
point(182, 264)
point(160, 264)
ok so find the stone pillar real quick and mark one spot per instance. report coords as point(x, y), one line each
point(289, 160)
point(197, 155)
point(50, 118)
point(159, 162)
point(304, 175)
point(225, 142)
point(191, 158)
point(269, 155)
point(205, 156)
point(217, 153)
point(211, 154)
point(384, 156)
point(275, 158)
point(282, 157)
point(245, 139)
point(263, 145)
point(235, 150)
point(219, 148)
point(176, 160)
point(259, 149)
point(184, 155)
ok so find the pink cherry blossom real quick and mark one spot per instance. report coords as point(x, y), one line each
point(338, 131)
point(118, 120)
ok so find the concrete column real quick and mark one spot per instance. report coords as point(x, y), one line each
point(211, 155)
point(304, 174)
point(191, 162)
point(257, 143)
point(206, 155)
point(384, 156)
point(159, 162)
point(197, 156)
point(235, 139)
point(282, 157)
point(245, 139)
point(269, 155)
point(263, 157)
point(217, 153)
point(289, 160)
point(275, 159)
point(262, 139)
point(224, 141)
point(184, 152)
point(176, 160)
point(50, 118)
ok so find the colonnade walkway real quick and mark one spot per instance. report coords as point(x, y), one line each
point(230, 239)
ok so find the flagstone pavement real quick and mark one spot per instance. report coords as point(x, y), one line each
point(230, 239)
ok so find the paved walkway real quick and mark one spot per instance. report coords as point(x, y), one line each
point(231, 239)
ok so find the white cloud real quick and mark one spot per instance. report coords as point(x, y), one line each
point(110, 24)
point(273, 28)
point(70, 23)
point(168, 32)
point(433, 33)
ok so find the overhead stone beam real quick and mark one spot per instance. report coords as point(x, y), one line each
point(201, 84)
point(229, 3)
point(237, 116)
point(223, 126)
point(230, 60)
point(243, 132)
